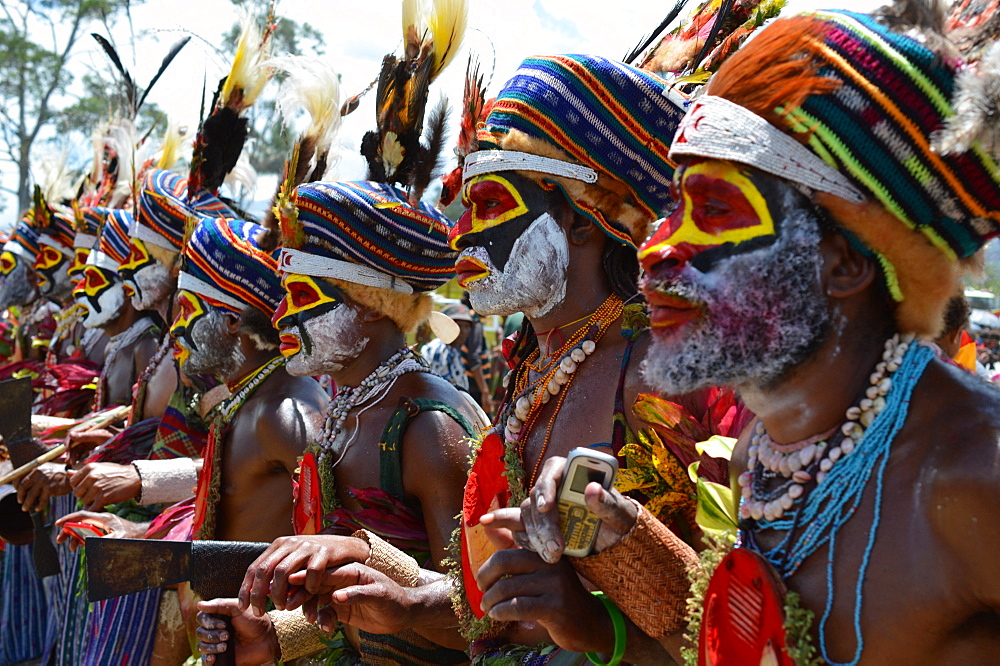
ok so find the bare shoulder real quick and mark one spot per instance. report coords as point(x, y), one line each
point(428, 386)
point(289, 406)
point(956, 421)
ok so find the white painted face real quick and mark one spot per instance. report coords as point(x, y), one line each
point(150, 285)
point(109, 306)
point(534, 279)
point(330, 341)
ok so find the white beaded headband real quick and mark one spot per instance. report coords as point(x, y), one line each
point(102, 260)
point(45, 239)
point(303, 263)
point(719, 129)
point(16, 248)
point(147, 235)
point(84, 241)
point(492, 161)
point(188, 282)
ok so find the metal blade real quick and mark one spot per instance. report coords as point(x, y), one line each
point(218, 567)
point(15, 421)
point(125, 566)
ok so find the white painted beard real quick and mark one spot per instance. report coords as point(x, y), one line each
point(61, 285)
point(534, 279)
point(216, 352)
point(335, 338)
point(152, 284)
point(763, 313)
point(111, 302)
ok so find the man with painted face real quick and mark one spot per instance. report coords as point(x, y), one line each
point(357, 263)
point(132, 335)
point(18, 289)
point(823, 221)
point(551, 232)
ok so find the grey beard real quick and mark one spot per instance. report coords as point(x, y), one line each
point(17, 288)
point(112, 301)
point(216, 352)
point(62, 286)
point(153, 284)
point(764, 314)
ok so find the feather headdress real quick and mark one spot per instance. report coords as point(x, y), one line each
point(223, 133)
point(132, 96)
point(431, 37)
point(475, 109)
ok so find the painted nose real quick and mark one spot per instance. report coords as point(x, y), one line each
point(663, 257)
point(281, 318)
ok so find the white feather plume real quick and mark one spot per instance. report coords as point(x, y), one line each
point(312, 85)
point(122, 138)
point(55, 178)
point(242, 180)
point(977, 109)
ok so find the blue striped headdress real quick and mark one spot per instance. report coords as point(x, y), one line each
point(112, 247)
point(367, 233)
point(599, 129)
point(164, 208)
point(23, 240)
point(224, 264)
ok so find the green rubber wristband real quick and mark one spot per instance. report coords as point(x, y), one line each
point(618, 621)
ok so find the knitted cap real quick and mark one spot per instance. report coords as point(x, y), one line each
point(868, 104)
point(112, 247)
point(164, 209)
point(224, 264)
point(613, 119)
point(23, 240)
point(367, 233)
point(87, 223)
point(59, 231)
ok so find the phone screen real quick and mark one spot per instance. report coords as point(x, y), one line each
point(583, 476)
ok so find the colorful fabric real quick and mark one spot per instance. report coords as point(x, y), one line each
point(606, 115)
point(164, 208)
point(23, 607)
point(878, 100)
point(224, 264)
point(121, 630)
point(88, 221)
point(446, 362)
point(112, 247)
point(24, 240)
point(371, 225)
point(182, 433)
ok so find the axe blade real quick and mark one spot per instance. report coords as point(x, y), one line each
point(125, 566)
point(15, 421)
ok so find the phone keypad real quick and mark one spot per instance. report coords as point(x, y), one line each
point(579, 525)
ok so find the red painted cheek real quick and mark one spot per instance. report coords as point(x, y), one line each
point(502, 200)
point(708, 194)
point(280, 313)
point(462, 227)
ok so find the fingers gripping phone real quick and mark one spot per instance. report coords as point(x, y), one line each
point(579, 525)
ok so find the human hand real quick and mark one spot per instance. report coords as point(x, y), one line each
point(363, 598)
point(520, 587)
point(35, 488)
point(114, 526)
point(268, 575)
point(97, 485)
point(536, 525)
point(255, 639)
point(83, 435)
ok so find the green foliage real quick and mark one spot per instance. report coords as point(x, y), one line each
point(37, 38)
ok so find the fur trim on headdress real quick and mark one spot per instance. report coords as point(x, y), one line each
point(977, 109)
point(608, 196)
point(909, 263)
point(407, 311)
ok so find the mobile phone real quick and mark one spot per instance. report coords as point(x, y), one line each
point(80, 531)
point(578, 524)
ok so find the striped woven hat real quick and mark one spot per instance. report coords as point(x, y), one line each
point(23, 240)
point(58, 231)
point(366, 233)
point(164, 208)
point(112, 247)
point(224, 264)
point(870, 107)
point(599, 128)
point(87, 222)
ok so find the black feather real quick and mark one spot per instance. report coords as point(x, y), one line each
point(641, 47)
point(127, 81)
point(167, 59)
point(430, 155)
point(720, 20)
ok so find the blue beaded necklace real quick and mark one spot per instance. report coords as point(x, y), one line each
point(829, 506)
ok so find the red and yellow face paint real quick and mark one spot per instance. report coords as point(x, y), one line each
point(47, 263)
point(190, 308)
point(94, 283)
point(719, 210)
point(305, 297)
point(137, 259)
point(80, 256)
point(8, 262)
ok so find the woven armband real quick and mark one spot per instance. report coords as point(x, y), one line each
point(297, 637)
point(391, 561)
point(645, 574)
point(166, 481)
